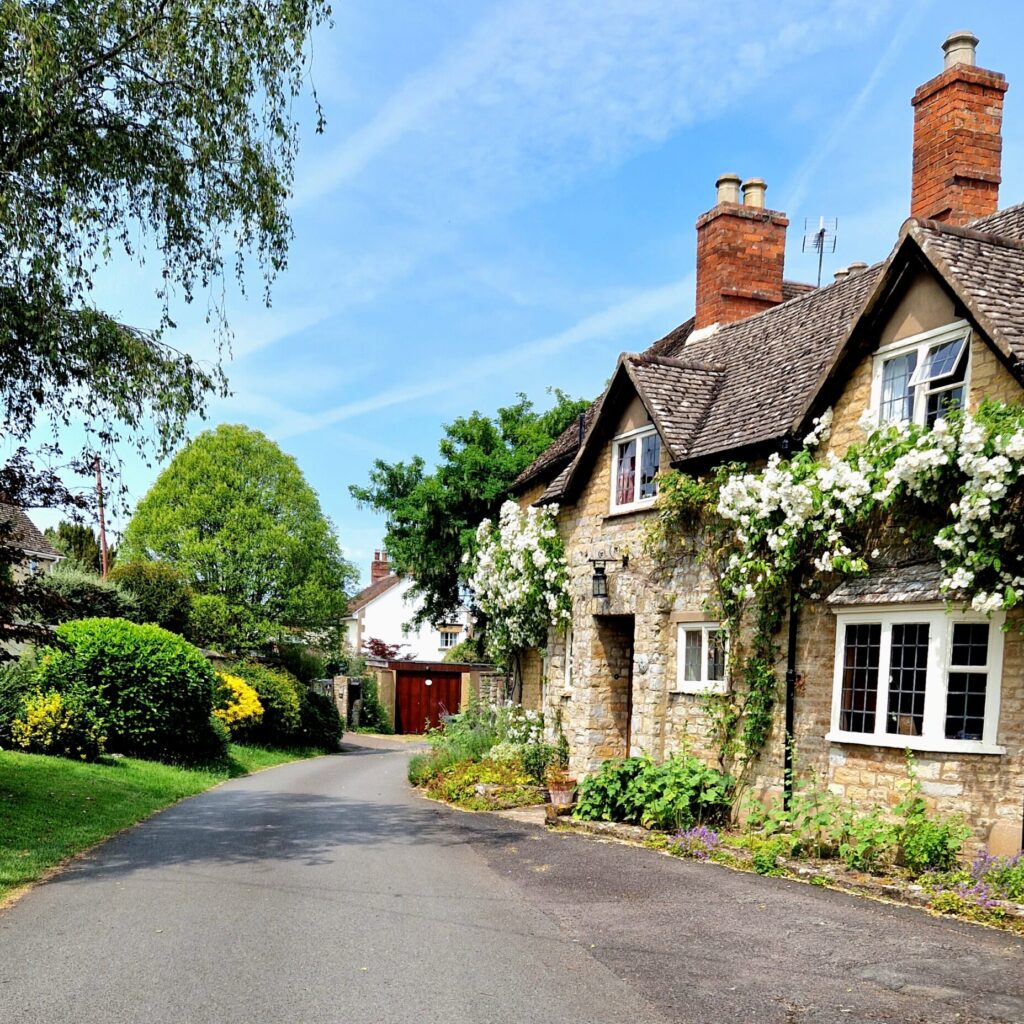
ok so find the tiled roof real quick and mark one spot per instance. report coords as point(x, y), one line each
point(987, 272)
point(372, 592)
point(752, 382)
point(896, 585)
point(20, 532)
point(559, 452)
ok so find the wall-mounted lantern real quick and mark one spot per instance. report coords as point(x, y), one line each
point(599, 581)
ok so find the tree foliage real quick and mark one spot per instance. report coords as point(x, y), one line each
point(129, 127)
point(234, 514)
point(431, 517)
point(79, 544)
point(161, 593)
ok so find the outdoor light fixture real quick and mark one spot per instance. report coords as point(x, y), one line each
point(599, 581)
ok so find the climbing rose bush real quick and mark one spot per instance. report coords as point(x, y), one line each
point(520, 578)
point(807, 508)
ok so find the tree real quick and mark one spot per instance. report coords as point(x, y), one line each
point(162, 595)
point(126, 124)
point(234, 514)
point(431, 518)
point(79, 544)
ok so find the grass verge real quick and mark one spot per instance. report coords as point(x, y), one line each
point(52, 808)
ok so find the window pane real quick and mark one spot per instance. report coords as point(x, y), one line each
point(970, 644)
point(651, 455)
point(691, 655)
point(908, 677)
point(716, 656)
point(897, 396)
point(965, 705)
point(860, 677)
point(626, 473)
point(940, 361)
point(940, 403)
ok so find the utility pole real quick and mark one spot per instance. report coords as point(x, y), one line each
point(103, 525)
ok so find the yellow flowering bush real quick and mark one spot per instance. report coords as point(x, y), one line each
point(59, 724)
point(238, 704)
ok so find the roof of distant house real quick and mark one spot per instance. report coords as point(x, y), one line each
point(372, 592)
point(22, 533)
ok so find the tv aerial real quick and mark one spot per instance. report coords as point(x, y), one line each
point(820, 238)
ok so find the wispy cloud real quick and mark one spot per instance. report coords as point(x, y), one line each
point(796, 191)
point(642, 309)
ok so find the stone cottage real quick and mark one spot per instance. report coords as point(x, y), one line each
point(879, 664)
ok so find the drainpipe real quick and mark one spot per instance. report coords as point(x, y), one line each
point(791, 678)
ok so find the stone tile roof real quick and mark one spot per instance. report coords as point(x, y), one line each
point(904, 584)
point(20, 532)
point(372, 592)
point(770, 367)
point(559, 452)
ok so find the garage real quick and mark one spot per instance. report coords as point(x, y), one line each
point(424, 694)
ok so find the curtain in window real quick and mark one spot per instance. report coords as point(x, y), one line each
point(650, 457)
point(626, 482)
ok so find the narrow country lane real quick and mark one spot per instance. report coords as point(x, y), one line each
point(325, 891)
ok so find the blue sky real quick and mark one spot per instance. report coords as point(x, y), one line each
point(505, 195)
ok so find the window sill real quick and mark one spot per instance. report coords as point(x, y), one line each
point(698, 690)
point(917, 743)
point(629, 510)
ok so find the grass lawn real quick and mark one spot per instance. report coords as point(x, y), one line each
point(52, 808)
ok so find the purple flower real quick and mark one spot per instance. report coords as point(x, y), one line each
point(698, 842)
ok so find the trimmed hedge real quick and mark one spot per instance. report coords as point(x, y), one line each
point(154, 691)
point(279, 694)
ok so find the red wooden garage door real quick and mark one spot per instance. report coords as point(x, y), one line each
point(419, 706)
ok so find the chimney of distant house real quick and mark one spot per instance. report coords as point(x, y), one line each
point(379, 567)
point(740, 251)
point(957, 140)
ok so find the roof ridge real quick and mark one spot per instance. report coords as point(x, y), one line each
point(643, 359)
point(972, 234)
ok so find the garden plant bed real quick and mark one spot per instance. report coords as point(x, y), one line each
point(735, 852)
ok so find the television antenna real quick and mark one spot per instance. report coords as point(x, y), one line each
point(820, 238)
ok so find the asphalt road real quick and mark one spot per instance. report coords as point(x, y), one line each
point(325, 891)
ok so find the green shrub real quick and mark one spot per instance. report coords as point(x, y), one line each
point(535, 758)
point(18, 679)
point(421, 767)
point(154, 690)
point(64, 725)
point(929, 845)
point(79, 594)
point(301, 662)
point(319, 721)
point(457, 784)
point(678, 793)
point(373, 716)
point(281, 724)
point(466, 651)
point(162, 595)
point(869, 842)
point(765, 854)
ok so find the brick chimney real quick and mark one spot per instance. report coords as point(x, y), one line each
point(379, 567)
point(740, 253)
point(957, 140)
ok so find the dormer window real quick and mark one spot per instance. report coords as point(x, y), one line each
point(635, 459)
point(920, 379)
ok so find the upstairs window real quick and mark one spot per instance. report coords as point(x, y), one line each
point(920, 379)
point(449, 637)
point(635, 459)
point(925, 679)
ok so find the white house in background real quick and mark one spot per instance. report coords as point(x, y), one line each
point(385, 610)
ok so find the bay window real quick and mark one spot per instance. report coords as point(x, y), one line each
point(923, 679)
point(635, 460)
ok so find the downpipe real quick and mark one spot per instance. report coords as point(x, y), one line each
point(791, 681)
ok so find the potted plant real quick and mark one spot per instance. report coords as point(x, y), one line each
point(561, 787)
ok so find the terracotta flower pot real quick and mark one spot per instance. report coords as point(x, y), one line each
point(561, 792)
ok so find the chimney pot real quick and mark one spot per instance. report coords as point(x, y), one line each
point(728, 186)
point(841, 273)
point(960, 48)
point(753, 192)
point(857, 267)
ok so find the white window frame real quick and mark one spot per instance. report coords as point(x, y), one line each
point(454, 633)
point(702, 685)
point(920, 343)
point(940, 636)
point(638, 435)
